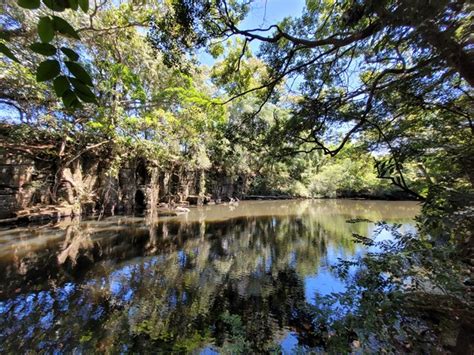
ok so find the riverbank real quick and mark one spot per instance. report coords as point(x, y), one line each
point(110, 179)
point(41, 215)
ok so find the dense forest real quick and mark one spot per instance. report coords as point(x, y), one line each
point(189, 122)
point(106, 106)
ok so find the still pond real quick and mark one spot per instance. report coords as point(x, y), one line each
point(219, 279)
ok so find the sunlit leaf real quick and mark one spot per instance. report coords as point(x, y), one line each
point(45, 29)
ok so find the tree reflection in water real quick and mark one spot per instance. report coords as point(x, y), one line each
point(237, 285)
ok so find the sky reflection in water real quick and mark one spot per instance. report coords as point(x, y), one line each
point(220, 279)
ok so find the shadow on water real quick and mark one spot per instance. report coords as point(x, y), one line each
point(239, 280)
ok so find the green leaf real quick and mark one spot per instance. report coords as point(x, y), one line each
point(70, 53)
point(85, 98)
point(84, 4)
point(64, 27)
point(43, 48)
point(45, 29)
point(47, 70)
point(79, 72)
point(81, 90)
point(73, 4)
point(61, 84)
point(54, 5)
point(29, 4)
point(70, 99)
point(6, 51)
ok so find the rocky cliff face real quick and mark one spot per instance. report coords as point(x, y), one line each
point(16, 188)
point(27, 186)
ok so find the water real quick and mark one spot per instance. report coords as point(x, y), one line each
point(220, 279)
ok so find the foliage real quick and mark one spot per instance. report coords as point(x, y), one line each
point(143, 109)
point(73, 86)
point(416, 287)
point(384, 70)
point(349, 174)
point(147, 110)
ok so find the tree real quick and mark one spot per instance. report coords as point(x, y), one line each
point(374, 69)
point(142, 109)
point(71, 81)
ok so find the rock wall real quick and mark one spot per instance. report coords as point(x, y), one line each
point(223, 187)
point(27, 184)
point(16, 189)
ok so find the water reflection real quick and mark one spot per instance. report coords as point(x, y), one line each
point(218, 279)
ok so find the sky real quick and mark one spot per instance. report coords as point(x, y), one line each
point(264, 13)
point(268, 12)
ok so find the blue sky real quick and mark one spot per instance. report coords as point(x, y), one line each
point(264, 13)
point(268, 12)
